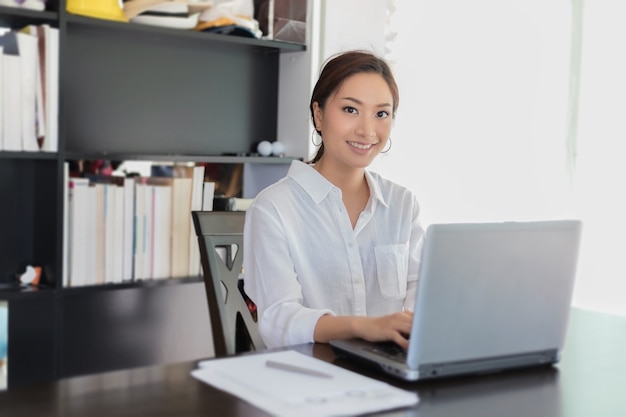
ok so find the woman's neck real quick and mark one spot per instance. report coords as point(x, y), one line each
point(350, 180)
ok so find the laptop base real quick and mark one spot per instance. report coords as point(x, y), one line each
point(364, 356)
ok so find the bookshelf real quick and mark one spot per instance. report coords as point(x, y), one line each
point(126, 92)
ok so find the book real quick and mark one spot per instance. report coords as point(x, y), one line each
point(196, 205)
point(41, 85)
point(161, 231)
point(118, 235)
point(148, 231)
point(12, 93)
point(66, 225)
point(208, 193)
point(89, 243)
point(139, 245)
point(29, 65)
point(109, 233)
point(99, 237)
point(40, 112)
point(128, 230)
point(51, 88)
point(181, 223)
point(78, 230)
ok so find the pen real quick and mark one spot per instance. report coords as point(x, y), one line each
point(296, 369)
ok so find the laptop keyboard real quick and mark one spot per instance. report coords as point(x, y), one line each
point(389, 350)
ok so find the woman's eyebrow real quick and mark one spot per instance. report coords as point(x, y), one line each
point(357, 101)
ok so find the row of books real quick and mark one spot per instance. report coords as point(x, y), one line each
point(29, 88)
point(120, 229)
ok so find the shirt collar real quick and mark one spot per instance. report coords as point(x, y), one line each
point(311, 181)
point(318, 187)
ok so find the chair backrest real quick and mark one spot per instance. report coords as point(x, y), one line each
point(232, 313)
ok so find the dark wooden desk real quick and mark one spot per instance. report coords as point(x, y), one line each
point(589, 381)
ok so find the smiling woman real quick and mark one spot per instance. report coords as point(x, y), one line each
point(345, 242)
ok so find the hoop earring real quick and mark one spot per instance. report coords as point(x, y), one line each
point(389, 148)
point(313, 138)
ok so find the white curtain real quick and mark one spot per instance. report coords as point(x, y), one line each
point(491, 125)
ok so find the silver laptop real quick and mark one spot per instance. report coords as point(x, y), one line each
point(491, 296)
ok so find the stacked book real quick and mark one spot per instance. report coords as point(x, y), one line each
point(29, 89)
point(121, 229)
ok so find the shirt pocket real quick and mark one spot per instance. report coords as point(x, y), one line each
point(392, 266)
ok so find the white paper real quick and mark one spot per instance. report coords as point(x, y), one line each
point(285, 393)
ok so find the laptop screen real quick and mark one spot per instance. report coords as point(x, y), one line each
point(494, 289)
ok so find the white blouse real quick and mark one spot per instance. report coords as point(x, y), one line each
point(303, 259)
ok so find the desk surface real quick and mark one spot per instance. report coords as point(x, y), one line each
point(589, 381)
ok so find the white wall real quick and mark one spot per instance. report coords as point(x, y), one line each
point(352, 24)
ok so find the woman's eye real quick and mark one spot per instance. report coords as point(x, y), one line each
point(350, 109)
point(382, 114)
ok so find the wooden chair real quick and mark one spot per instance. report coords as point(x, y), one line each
point(232, 313)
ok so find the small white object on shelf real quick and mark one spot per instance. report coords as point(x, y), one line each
point(278, 149)
point(264, 148)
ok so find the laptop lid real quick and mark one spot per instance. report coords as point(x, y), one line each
point(491, 296)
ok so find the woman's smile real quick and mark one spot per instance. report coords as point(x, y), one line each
point(361, 146)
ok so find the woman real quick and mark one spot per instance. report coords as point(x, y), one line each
point(332, 250)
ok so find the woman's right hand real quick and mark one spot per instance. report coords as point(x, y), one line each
point(394, 327)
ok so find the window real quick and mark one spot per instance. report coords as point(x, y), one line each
point(491, 125)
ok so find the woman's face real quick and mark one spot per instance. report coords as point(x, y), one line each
point(356, 121)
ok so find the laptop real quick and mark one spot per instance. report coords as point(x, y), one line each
point(491, 297)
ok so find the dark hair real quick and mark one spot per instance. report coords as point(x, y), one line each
point(337, 69)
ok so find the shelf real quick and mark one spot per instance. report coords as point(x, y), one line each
point(156, 32)
point(146, 283)
point(17, 17)
point(8, 293)
point(214, 159)
point(28, 155)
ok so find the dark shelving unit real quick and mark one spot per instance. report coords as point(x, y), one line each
point(126, 92)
